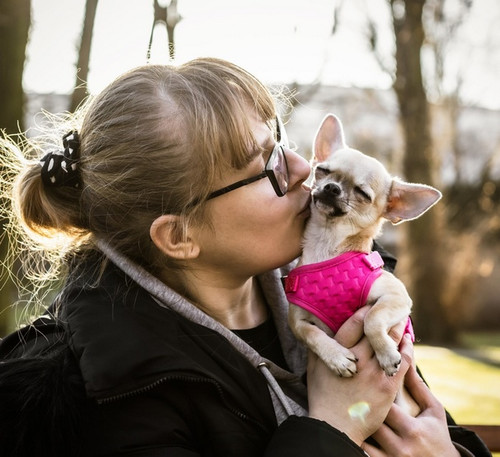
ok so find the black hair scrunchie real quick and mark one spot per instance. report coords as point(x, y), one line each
point(61, 168)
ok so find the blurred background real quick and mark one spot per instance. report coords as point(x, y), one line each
point(415, 82)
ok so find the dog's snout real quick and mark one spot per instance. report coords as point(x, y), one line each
point(332, 189)
point(329, 199)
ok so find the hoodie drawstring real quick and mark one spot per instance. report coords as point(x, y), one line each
point(275, 388)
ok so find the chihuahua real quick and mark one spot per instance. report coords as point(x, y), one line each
point(352, 196)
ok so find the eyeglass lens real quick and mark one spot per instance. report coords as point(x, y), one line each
point(282, 171)
point(278, 167)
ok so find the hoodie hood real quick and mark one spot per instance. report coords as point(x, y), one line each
point(129, 331)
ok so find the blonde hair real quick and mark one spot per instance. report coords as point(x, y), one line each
point(153, 142)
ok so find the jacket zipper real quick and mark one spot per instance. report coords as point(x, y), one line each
point(147, 388)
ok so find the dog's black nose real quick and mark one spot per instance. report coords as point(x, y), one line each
point(332, 189)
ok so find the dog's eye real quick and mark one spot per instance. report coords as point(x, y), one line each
point(364, 195)
point(321, 171)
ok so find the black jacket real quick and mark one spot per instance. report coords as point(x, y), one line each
point(116, 374)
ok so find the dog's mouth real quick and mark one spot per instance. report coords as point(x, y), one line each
point(332, 206)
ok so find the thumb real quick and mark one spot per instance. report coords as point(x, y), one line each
point(420, 391)
point(352, 329)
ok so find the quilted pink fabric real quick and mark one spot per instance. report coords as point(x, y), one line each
point(334, 289)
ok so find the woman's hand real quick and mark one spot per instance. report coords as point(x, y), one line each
point(356, 406)
point(423, 436)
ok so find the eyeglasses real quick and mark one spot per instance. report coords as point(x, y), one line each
point(276, 168)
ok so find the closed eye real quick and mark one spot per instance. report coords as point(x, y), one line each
point(321, 171)
point(363, 194)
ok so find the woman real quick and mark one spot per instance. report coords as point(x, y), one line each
point(175, 204)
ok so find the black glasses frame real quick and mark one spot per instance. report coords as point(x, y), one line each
point(281, 143)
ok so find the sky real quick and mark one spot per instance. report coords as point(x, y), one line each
point(277, 40)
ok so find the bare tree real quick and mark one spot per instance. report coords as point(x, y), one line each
point(82, 72)
point(423, 241)
point(441, 30)
point(15, 18)
point(424, 269)
point(442, 26)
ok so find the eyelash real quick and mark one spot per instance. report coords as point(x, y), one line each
point(363, 194)
point(322, 171)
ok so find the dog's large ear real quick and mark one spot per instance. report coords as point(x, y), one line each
point(329, 138)
point(408, 201)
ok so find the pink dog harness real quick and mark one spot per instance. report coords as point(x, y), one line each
point(334, 289)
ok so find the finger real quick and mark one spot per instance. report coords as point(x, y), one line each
point(387, 438)
point(397, 332)
point(420, 392)
point(373, 451)
point(351, 330)
point(407, 353)
point(364, 352)
point(398, 420)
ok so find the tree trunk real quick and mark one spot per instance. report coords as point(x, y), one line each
point(15, 18)
point(426, 267)
point(82, 67)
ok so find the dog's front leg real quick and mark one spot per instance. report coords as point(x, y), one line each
point(319, 339)
point(391, 305)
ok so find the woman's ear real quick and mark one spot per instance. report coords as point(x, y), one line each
point(167, 234)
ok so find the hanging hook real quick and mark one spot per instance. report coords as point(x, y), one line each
point(168, 16)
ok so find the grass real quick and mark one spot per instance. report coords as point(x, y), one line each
point(466, 380)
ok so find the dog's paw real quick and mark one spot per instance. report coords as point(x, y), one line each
point(390, 362)
point(343, 363)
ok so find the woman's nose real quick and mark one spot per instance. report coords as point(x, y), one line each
point(298, 167)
